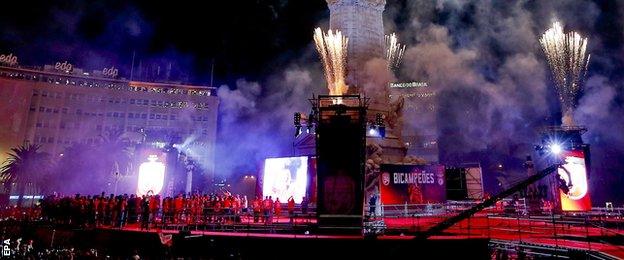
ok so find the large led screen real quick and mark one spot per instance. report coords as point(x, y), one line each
point(574, 174)
point(151, 176)
point(285, 177)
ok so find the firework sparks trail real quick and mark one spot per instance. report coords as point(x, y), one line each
point(332, 47)
point(394, 51)
point(567, 58)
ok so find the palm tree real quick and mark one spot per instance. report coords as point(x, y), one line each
point(117, 151)
point(24, 168)
point(77, 170)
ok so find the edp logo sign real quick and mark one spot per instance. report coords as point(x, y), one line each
point(110, 72)
point(64, 66)
point(9, 59)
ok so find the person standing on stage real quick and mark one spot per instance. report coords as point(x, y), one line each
point(278, 209)
point(266, 207)
point(291, 209)
point(145, 213)
point(372, 202)
point(123, 205)
point(245, 203)
point(97, 205)
point(304, 206)
point(256, 205)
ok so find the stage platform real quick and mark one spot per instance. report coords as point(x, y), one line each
point(245, 245)
point(259, 240)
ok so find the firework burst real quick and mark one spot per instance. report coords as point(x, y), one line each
point(332, 47)
point(394, 51)
point(567, 58)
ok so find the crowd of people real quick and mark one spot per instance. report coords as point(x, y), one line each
point(149, 210)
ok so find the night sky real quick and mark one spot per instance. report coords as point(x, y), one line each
point(481, 56)
point(244, 38)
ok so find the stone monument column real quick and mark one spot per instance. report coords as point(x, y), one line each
point(362, 22)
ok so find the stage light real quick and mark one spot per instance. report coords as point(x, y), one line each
point(555, 149)
point(373, 132)
point(379, 121)
point(297, 119)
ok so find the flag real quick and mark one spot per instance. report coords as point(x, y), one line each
point(166, 240)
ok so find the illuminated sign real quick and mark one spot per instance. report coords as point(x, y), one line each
point(574, 174)
point(64, 66)
point(110, 72)
point(151, 176)
point(8, 59)
point(416, 84)
point(412, 184)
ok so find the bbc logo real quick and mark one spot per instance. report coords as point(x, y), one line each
point(6, 251)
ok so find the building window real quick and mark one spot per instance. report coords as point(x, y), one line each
point(151, 116)
point(44, 93)
point(48, 110)
point(172, 117)
point(55, 111)
point(50, 140)
point(130, 115)
point(132, 101)
point(108, 114)
point(33, 108)
point(64, 110)
point(144, 116)
point(35, 93)
point(115, 114)
point(78, 111)
point(98, 127)
point(41, 109)
point(62, 125)
point(39, 124)
point(164, 117)
point(157, 116)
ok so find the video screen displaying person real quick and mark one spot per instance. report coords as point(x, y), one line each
point(285, 177)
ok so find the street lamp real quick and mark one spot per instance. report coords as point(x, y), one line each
point(189, 176)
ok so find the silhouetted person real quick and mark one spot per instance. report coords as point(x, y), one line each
point(145, 213)
point(372, 202)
